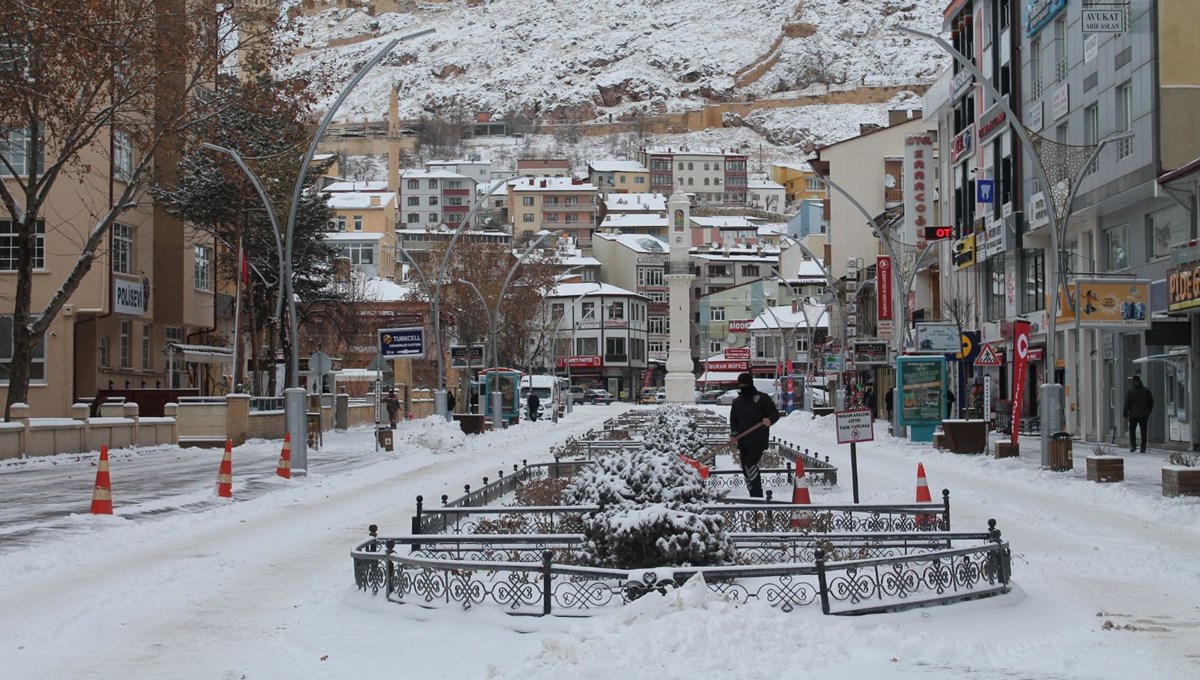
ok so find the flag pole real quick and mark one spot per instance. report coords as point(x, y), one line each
point(237, 314)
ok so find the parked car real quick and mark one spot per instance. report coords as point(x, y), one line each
point(647, 395)
point(727, 397)
point(661, 395)
point(709, 396)
point(597, 396)
point(576, 392)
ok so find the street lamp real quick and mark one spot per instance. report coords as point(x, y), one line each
point(829, 280)
point(1051, 393)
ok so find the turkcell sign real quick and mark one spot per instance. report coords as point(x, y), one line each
point(130, 297)
point(402, 342)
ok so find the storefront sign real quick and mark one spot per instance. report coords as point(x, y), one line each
point(583, 361)
point(921, 391)
point(729, 366)
point(733, 353)
point(1035, 116)
point(1039, 211)
point(937, 338)
point(1108, 303)
point(1183, 288)
point(1061, 103)
point(962, 143)
point(131, 297)
point(1020, 372)
point(993, 240)
point(1104, 20)
point(883, 288)
point(871, 352)
point(991, 123)
point(964, 252)
point(960, 81)
point(739, 325)
point(652, 259)
point(919, 183)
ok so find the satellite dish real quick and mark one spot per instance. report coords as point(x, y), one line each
point(730, 339)
point(889, 181)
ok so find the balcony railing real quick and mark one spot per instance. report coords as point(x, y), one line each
point(1060, 70)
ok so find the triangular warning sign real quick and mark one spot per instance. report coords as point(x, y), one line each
point(987, 357)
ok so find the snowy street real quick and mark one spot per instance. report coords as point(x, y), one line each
point(179, 584)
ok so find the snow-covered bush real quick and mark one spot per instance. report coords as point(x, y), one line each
point(652, 513)
point(674, 431)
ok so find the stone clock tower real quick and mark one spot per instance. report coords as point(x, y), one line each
point(681, 382)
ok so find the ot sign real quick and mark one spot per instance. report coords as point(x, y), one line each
point(936, 233)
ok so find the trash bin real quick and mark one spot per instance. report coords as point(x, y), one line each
point(1060, 452)
point(383, 434)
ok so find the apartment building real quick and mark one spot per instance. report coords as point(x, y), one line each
point(474, 166)
point(619, 177)
point(429, 198)
point(799, 183)
point(599, 336)
point(543, 167)
point(363, 230)
point(766, 194)
point(638, 262)
point(710, 176)
point(552, 203)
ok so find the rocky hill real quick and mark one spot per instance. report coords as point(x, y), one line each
point(591, 59)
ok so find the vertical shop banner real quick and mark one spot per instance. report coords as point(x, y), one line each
point(883, 287)
point(918, 185)
point(1020, 372)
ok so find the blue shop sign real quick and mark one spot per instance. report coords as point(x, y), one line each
point(1038, 13)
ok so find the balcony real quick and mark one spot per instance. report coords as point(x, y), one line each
point(1060, 70)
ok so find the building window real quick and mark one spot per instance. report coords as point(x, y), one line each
point(146, 347)
point(124, 347)
point(339, 223)
point(174, 335)
point(9, 246)
point(413, 184)
point(358, 222)
point(1167, 228)
point(1033, 269)
point(550, 200)
point(1124, 118)
point(680, 181)
point(1060, 49)
point(454, 184)
point(433, 184)
point(638, 179)
point(716, 181)
point(414, 200)
point(586, 310)
point(572, 217)
point(637, 349)
point(1116, 246)
point(690, 166)
point(572, 200)
point(358, 253)
point(717, 271)
point(681, 165)
point(714, 347)
point(750, 270)
point(14, 147)
point(203, 265)
point(650, 276)
point(764, 346)
point(691, 181)
point(527, 217)
point(616, 310)
point(433, 217)
point(433, 200)
point(37, 368)
point(1091, 133)
point(615, 347)
point(122, 248)
point(413, 218)
point(551, 217)
point(657, 325)
point(716, 314)
point(527, 200)
point(122, 156)
point(994, 278)
point(557, 309)
point(102, 351)
point(587, 347)
point(706, 181)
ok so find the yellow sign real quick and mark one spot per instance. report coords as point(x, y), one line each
point(964, 252)
point(1066, 296)
point(1113, 303)
point(1183, 288)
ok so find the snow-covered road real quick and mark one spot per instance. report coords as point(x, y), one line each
point(182, 585)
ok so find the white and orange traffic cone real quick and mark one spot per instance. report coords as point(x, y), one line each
point(924, 521)
point(800, 520)
point(102, 492)
point(284, 469)
point(225, 474)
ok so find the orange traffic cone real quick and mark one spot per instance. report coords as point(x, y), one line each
point(924, 521)
point(284, 469)
point(102, 492)
point(800, 520)
point(700, 467)
point(225, 474)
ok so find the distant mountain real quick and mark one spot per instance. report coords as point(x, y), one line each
point(587, 59)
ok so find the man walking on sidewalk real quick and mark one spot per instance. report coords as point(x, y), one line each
point(1139, 404)
point(750, 420)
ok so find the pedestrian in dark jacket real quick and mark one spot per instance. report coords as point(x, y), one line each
point(750, 420)
point(872, 403)
point(451, 402)
point(392, 403)
point(949, 403)
point(532, 405)
point(1139, 404)
point(889, 398)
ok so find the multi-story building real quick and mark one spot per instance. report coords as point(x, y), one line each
point(543, 167)
point(474, 166)
point(429, 198)
point(638, 263)
point(599, 336)
point(619, 177)
point(765, 194)
point(363, 230)
point(710, 176)
point(799, 183)
point(552, 203)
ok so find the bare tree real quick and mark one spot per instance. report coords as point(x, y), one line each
point(115, 81)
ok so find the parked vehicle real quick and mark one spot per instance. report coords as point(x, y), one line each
point(709, 396)
point(727, 397)
point(597, 396)
point(576, 392)
point(661, 395)
point(647, 395)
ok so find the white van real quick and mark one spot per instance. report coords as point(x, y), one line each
point(549, 389)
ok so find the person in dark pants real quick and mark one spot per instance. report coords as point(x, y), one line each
point(750, 420)
point(889, 398)
point(532, 405)
point(1139, 404)
point(451, 402)
point(949, 403)
point(872, 403)
point(392, 403)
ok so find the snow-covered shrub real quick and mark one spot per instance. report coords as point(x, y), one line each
point(674, 431)
point(652, 513)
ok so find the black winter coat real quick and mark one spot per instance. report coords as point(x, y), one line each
point(749, 408)
point(1139, 402)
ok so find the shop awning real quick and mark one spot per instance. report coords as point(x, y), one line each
point(201, 354)
point(1178, 358)
point(718, 377)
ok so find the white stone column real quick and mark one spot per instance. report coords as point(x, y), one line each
point(680, 381)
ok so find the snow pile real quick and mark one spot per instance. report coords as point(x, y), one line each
point(433, 433)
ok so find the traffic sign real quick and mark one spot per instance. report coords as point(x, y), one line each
point(854, 426)
point(987, 356)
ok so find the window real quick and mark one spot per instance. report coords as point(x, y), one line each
point(412, 200)
point(587, 347)
point(1060, 49)
point(1116, 246)
point(572, 217)
point(616, 310)
point(122, 156)
point(174, 334)
point(102, 351)
point(714, 347)
point(717, 270)
point(639, 180)
point(146, 347)
point(1091, 133)
point(1124, 118)
point(339, 223)
point(14, 148)
point(572, 200)
point(691, 181)
point(716, 166)
point(413, 184)
point(637, 350)
point(750, 270)
point(650, 276)
point(614, 348)
point(657, 325)
point(358, 222)
point(764, 346)
point(454, 184)
point(689, 166)
point(433, 184)
point(433, 200)
point(527, 200)
point(551, 217)
point(122, 248)
point(125, 348)
point(994, 279)
point(1035, 68)
point(550, 200)
point(433, 217)
point(586, 310)
point(527, 217)
point(716, 314)
point(203, 265)
point(623, 180)
point(717, 181)
point(706, 181)
point(1167, 228)
point(413, 218)
point(680, 181)
point(1033, 271)
point(454, 200)
point(9, 246)
point(557, 309)
point(37, 368)
point(681, 165)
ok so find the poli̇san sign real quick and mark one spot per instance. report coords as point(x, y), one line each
point(405, 343)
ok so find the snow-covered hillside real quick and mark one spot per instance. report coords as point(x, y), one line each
point(590, 58)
